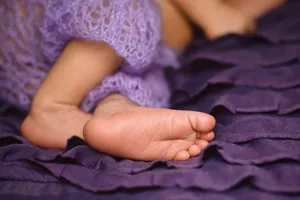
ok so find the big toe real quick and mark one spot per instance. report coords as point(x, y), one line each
point(202, 122)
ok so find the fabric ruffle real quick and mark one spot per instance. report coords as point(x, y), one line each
point(256, 151)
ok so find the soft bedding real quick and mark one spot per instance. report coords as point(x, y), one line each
point(250, 84)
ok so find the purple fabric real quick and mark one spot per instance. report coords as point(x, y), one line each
point(19, 190)
point(34, 33)
point(250, 84)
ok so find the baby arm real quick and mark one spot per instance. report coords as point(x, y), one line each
point(216, 18)
point(54, 116)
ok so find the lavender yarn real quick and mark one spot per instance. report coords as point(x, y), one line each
point(33, 34)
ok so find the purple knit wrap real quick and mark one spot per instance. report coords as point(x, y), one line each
point(33, 34)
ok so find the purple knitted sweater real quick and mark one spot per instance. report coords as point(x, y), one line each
point(33, 34)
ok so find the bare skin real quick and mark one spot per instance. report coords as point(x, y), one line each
point(55, 116)
point(147, 133)
point(221, 17)
point(216, 17)
point(256, 8)
point(118, 125)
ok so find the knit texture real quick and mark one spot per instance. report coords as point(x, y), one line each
point(250, 84)
point(34, 33)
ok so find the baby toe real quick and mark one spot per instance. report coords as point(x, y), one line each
point(202, 144)
point(194, 150)
point(207, 136)
point(182, 155)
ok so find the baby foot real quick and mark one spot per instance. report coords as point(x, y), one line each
point(227, 20)
point(123, 129)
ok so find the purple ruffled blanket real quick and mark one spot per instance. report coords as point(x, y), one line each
point(250, 84)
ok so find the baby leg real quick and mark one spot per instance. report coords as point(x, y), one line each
point(255, 8)
point(216, 18)
point(117, 124)
point(54, 116)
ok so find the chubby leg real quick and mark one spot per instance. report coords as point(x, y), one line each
point(255, 8)
point(123, 129)
point(216, 18)
point(54, 116)
point(177, 28)
point(117, 124)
